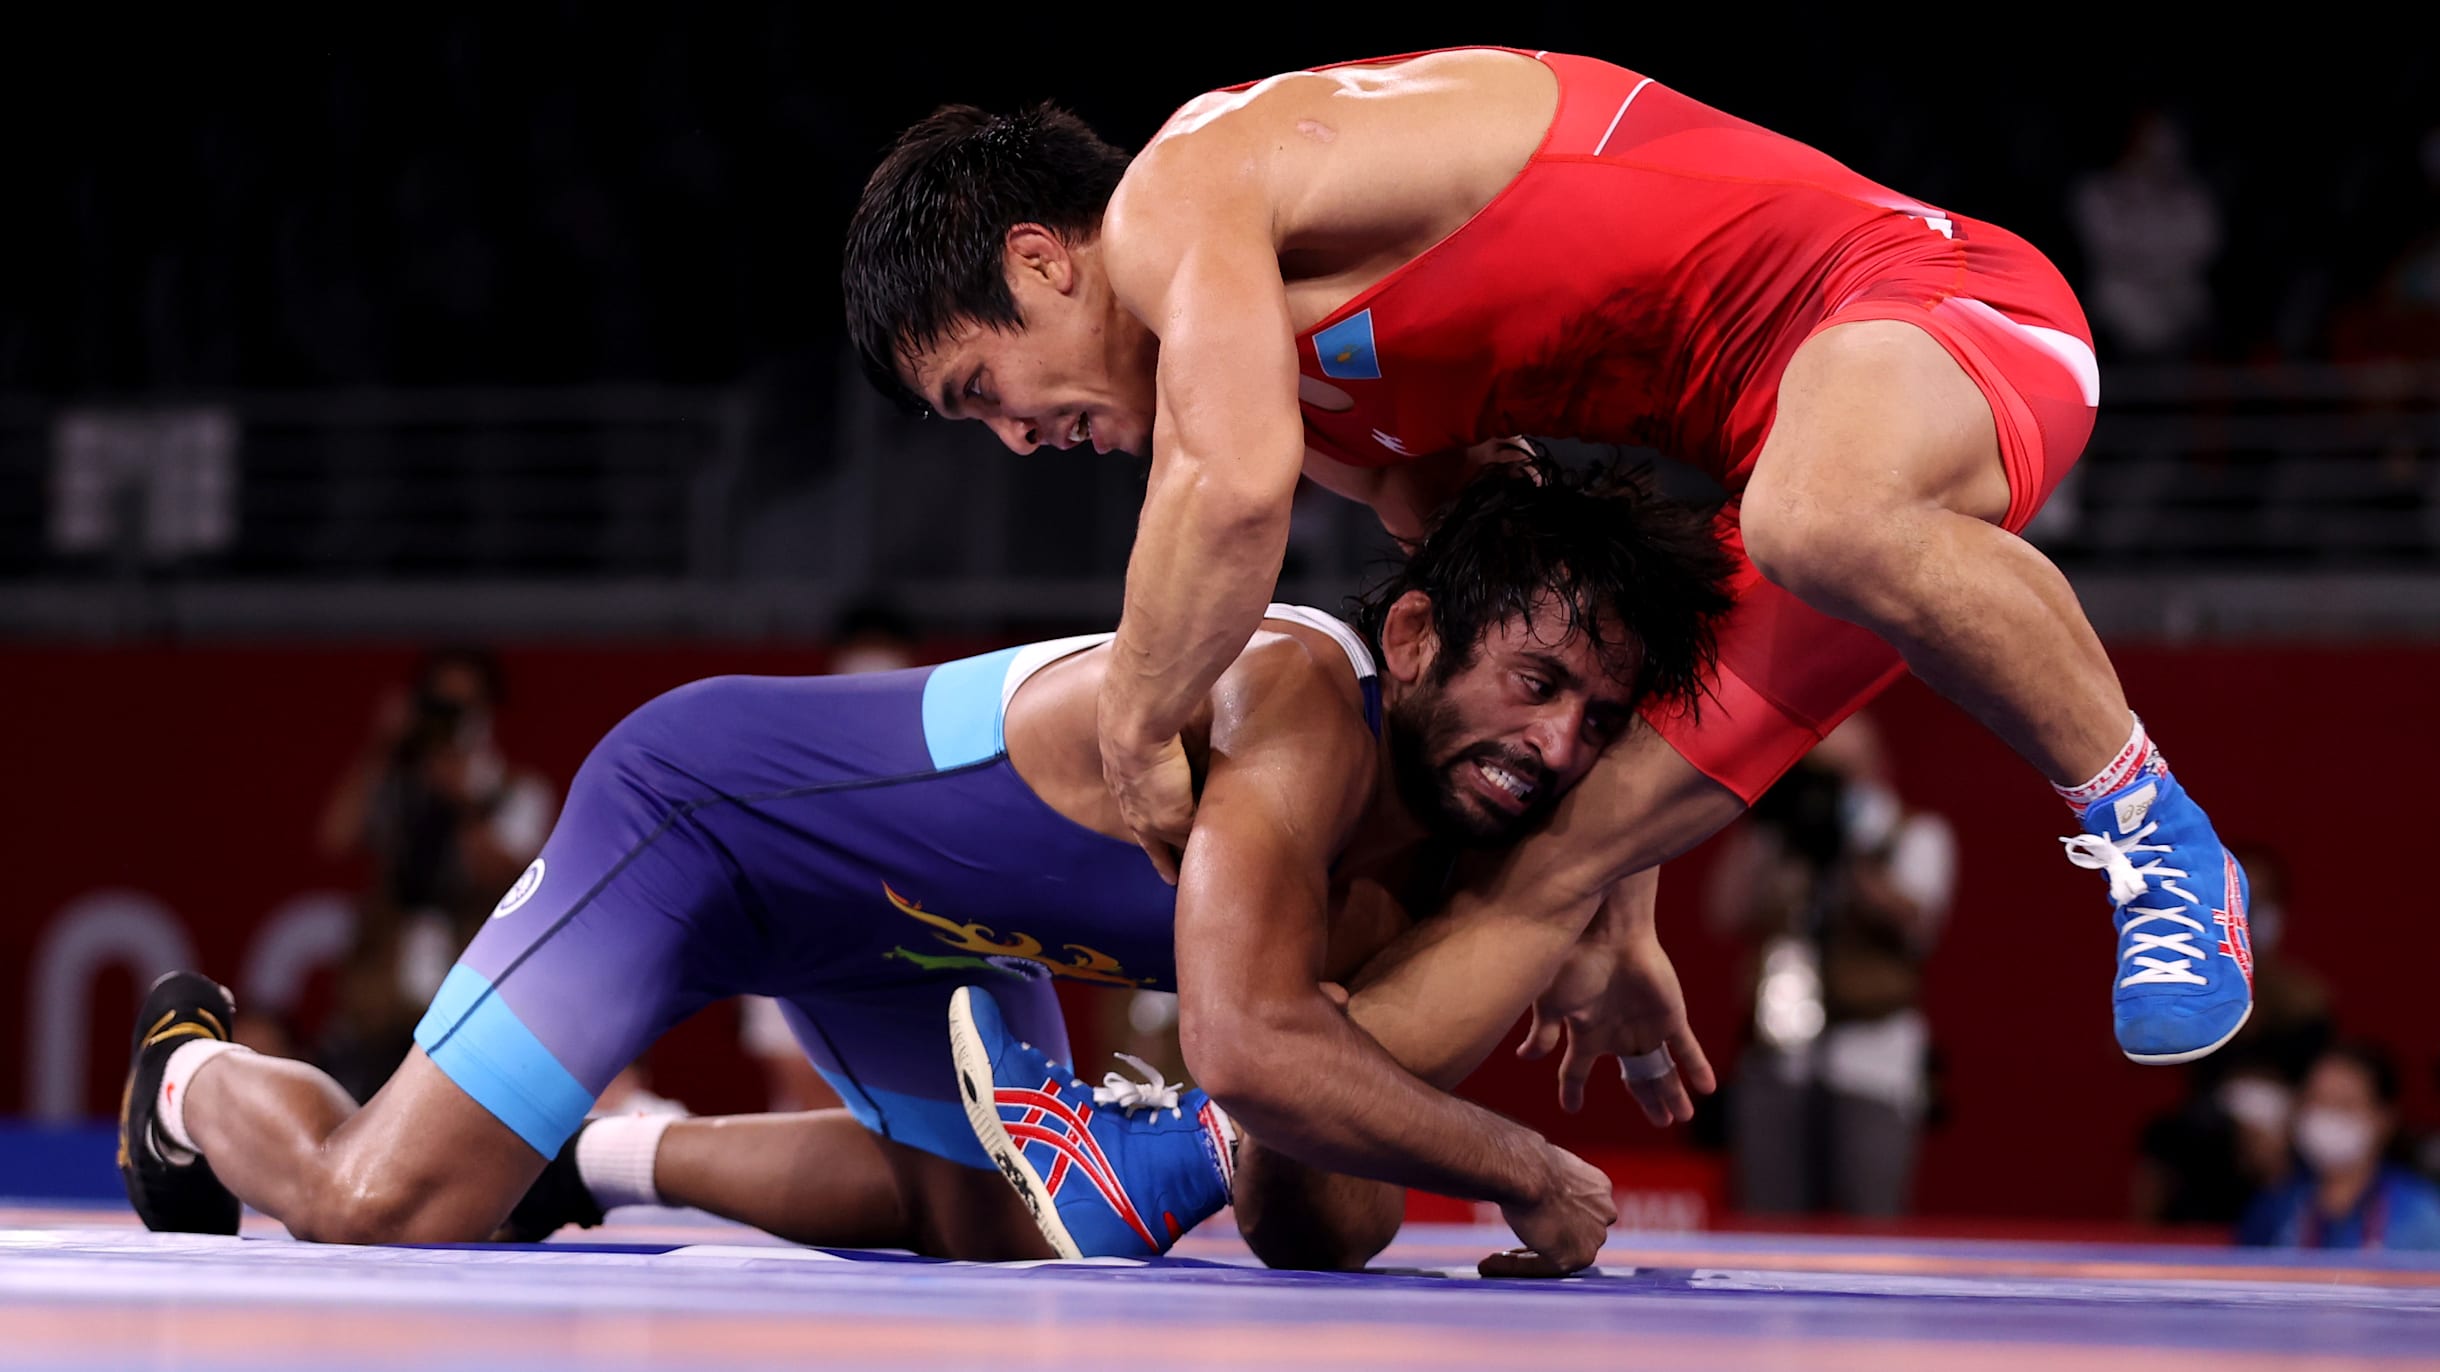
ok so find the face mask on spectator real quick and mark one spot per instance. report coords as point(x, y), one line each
point(2256, 1104)
point(2334, 1140)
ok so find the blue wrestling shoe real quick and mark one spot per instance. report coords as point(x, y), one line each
point(2185, 958)
point(1119, 1170)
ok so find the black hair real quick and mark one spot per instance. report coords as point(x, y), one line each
point(1645, 578)
point(924, 248)
point(474, 657)
point(2376, 1064)
point(882, 618)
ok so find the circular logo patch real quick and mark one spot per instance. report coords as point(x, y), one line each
point(527, 884)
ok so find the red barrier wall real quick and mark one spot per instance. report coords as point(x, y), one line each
point(194, 776)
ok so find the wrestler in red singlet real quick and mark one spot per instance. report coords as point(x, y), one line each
point(1644, 280)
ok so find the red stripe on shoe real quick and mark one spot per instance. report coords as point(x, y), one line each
point(1049, 1102)
point(1110, 1192)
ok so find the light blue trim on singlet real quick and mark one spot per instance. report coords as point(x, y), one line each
point(938, 1127)
point(966, 702)
point(961, 709)
point(479, 1043)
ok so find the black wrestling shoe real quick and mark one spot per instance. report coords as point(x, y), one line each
point(171, 1197)
point(557, 1198)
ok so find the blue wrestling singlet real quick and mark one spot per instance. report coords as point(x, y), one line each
point(857, 847)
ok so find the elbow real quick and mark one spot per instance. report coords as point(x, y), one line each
point(1226, 1052)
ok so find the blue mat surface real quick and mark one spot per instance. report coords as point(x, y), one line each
point(82, 1289)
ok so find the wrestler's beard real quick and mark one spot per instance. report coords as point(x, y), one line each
point(1429, 760)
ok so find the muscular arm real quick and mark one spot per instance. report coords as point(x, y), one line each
point(1446, 992)
point(1257, 1030)
point(1191, 255)
point(1191, 250)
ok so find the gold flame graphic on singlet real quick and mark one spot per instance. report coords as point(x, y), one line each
point(1090, 965)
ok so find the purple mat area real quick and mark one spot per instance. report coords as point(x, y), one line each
point(83, 1297)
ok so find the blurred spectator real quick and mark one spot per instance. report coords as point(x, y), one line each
point(2150, 230)
point(789, 1080)
point(870, 636)
point(2206, 1161)
point(2427, 1153)
point(1842, 887)
point(631, 1093)
point(449, 824)
point(2291, 1024)
point(2348, 1191)
point(1144, 1024)
point(2400, 319)
point(2397, 322)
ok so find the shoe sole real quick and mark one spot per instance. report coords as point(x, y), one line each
point(975, 1091)
point(2173, 1059)
point(130, 1146)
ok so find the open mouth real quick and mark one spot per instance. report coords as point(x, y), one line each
point(1081, 431)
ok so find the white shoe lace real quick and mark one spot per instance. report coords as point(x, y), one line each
point(1131, 1096)
point(2101, 853)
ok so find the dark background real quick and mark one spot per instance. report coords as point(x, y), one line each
point(550, 194)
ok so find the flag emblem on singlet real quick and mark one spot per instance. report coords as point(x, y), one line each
point(1346, 349)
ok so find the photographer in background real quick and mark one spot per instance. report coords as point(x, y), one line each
point(2207, 1159)
point(1841, 890)
point(449, 824)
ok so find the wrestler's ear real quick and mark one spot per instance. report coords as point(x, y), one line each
point(1410, 643)
point(1034, 251)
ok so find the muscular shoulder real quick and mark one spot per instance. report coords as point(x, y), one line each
point(1212, 174)
point(1335, 165)
point(1291, 700)
point(1288, 672)
point(1309, 110)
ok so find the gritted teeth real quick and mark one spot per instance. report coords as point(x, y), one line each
point(1506, 780)
point(1081, 430)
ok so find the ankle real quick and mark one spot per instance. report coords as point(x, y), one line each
point(2138, 758)
point(617, 1158)
point(176, 1143)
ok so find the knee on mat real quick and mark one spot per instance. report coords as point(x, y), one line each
point(1303, 1238)
point(366, 1210)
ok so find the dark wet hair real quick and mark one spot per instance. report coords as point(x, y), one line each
point(924, 249)
point(1644, 577)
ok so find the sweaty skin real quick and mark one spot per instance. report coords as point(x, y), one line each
point(1236, 200)
point(1283, 844)
point(1295, 779)
point(1234, 230)
point(1220, 207)
point(1877, 499)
